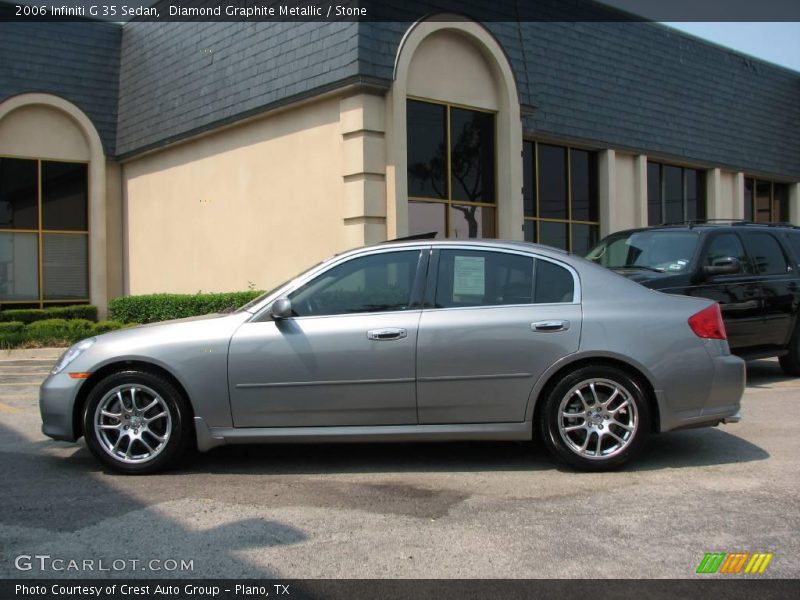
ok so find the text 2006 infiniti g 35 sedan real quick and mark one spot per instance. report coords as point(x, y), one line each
point(417, 340)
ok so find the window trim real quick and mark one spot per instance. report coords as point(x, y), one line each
point(772, 183)
point(569, 221)
point(450, 201)
point(428, 304)
point(41, 301)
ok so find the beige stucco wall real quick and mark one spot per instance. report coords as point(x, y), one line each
point(38, 131)
point(248, 205)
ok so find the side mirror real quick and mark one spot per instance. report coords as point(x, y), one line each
point(281, 309)
point(723, 266)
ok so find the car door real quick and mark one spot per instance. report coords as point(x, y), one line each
point(778, 286)
point(739, 295)
point(493, 322)
point(345, 357)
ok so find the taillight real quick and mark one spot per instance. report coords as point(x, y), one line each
point(708, 323)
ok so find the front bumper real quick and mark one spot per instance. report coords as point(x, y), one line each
point(57, 396)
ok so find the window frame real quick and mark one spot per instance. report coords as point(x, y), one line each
point(41, 301)
point(431, 282)
point(536, 180)
point(449, 201)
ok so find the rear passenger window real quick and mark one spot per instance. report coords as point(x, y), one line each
point(480, 278)
point(768, 258)
point(553, 283)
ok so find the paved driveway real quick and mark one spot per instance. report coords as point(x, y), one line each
point(402, 510)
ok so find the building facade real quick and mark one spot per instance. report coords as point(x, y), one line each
point(179, 157)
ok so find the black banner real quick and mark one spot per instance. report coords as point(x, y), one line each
point(394, 589)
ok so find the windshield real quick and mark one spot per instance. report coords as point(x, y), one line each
point(661, 251)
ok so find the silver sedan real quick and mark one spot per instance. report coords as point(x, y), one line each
point(419, 340)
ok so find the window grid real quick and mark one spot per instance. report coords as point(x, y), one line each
point(700, 199)
point(41, 301)
point(449, 201)
point(569, 221)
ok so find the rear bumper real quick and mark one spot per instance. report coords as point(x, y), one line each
point(723, 401)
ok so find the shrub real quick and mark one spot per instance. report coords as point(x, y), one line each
point(163, 307)
point(59, 331)
point(106, 326)
point(31, 315)
point(10, 327)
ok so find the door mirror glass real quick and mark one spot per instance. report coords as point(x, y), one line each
point(281, 309)
point(723, 266)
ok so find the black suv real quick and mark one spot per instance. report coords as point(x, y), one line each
point(752, 270)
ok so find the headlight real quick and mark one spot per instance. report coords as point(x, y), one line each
point(71, 354)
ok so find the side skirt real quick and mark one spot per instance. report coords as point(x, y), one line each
point(210, 437)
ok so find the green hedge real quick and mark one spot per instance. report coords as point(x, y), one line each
point(53, 332)
point(31, 315)
point(163, 307)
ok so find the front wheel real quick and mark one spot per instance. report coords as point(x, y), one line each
point(595, 418)
point(136, 422)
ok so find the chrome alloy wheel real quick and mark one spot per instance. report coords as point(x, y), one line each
point(132, 423)
point(598, 419)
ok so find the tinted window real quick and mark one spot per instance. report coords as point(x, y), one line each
point(18, 194)
point(427, 150)
point(766, 253)
point(479, 278)
point(552, 181)
point(585, 203)
point(64, 196)
point(652, 250)
point(472, 155)
point(375, 283)
point(553, 283)
point(725, 246)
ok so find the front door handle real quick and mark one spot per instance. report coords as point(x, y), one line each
point(550, 326)
point(384, 335)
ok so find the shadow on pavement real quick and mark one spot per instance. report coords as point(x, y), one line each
point(763, 373)
point(66, 507)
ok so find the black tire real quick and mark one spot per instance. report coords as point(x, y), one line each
point(790, 362)
point(626, 418)
point(137, 388)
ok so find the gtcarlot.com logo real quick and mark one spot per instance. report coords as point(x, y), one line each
point(732, 563)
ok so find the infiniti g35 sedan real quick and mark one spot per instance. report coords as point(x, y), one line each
point(417, 340)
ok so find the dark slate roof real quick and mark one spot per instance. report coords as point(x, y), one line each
point(639, 86)
point(76, 61)
point(181, 78)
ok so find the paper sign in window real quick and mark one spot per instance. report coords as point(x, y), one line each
point(468, 276)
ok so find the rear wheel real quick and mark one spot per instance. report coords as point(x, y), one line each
point(790, 362)
point(136, 422)
point(595, 418)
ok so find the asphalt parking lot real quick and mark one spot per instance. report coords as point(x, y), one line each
point(403, 510)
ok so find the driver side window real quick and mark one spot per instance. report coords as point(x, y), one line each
point(375, 283)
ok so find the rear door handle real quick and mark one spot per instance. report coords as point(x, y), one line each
point(385, 335)
point(550, 326)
